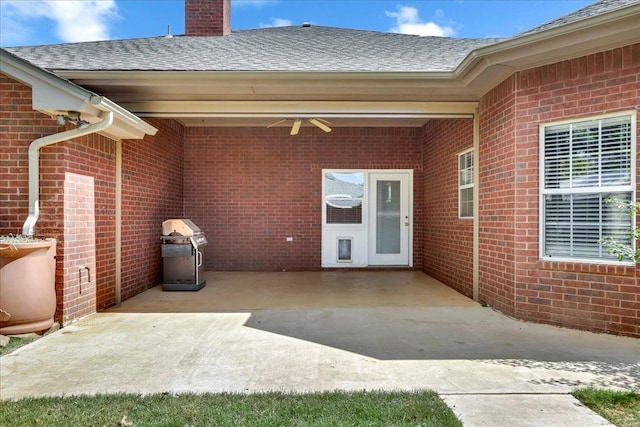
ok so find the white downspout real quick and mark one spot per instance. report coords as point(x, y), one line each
point(118, 248)
point(476, 205)
point(34, 165)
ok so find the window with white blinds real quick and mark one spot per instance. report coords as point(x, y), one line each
point(465, 184)
point(583, 164)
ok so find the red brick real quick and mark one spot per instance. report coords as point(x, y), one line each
point(256, 187)
point(583, 87)
point(91, 156)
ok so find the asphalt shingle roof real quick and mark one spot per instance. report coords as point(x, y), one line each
point(298, 48)
point(595, 9)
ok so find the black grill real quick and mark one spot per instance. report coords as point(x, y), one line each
point(181, 255)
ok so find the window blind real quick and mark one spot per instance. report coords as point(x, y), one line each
point(465, 184)
point(585, 163)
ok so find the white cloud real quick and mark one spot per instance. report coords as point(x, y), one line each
point(277, 22)
point(407, 21)
point(74, 21)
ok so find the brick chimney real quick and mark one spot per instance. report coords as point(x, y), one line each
point(207, 17)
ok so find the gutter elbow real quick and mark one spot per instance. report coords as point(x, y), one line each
point(34, 165)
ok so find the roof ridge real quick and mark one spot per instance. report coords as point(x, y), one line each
point(359, 30)
point(596, 8)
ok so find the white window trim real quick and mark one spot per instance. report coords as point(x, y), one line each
point(465, 186)
point(325, 199)
point(542, 192)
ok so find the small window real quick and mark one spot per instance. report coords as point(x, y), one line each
point(583, 164)
point(465, 184)
point(343, 196)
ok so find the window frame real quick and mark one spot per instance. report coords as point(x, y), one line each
point(600, 189)
point(466, 186)
point(327, 198)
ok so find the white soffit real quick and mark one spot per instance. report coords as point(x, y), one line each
point(304, 109)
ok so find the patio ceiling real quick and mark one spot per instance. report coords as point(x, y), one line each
point(340, 113)
point(256, 99)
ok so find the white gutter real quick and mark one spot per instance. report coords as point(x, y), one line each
point(582, 37)
point(34, 165)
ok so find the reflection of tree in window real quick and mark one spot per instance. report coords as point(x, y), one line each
point(585, 163)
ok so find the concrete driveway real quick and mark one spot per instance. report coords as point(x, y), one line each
point(313, 331)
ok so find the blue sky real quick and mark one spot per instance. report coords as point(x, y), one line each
point(26, 22)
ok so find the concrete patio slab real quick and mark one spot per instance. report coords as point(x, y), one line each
point(522, 410)
point(249, 291)
point(391, 330)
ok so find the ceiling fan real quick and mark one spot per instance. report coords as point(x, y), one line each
point(297, 123)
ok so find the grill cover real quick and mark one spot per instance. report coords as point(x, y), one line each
point(182, 227)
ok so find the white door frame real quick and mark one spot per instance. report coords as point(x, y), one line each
point(362, 233)
point(404, 219)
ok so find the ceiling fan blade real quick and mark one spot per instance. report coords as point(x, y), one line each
point(277, 123)
point(319, 123)
point(296, 127)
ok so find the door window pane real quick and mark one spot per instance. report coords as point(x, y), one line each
point(388, 221)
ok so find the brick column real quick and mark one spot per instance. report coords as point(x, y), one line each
point(79, 268)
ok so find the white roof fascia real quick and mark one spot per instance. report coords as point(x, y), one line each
point(53, 95)
point(606, 31)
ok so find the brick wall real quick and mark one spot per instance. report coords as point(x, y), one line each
point(448, 240)
point(79, 268)
point(248, 189)
point(597, 297)
point(497, 200)
point(19, 125)
point(91, 157)
point(152, 191)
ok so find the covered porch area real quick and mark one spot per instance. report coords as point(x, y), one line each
point(249, 291)
point(314, 331)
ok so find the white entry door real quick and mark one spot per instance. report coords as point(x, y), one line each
point(390, 223)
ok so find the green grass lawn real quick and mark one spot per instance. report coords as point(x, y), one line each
point(620, 408)
point(423, 408)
